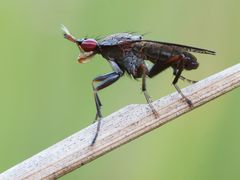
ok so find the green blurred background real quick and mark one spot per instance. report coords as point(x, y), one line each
point(46, 96)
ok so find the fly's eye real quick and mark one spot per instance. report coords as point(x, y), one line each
point(88, 45)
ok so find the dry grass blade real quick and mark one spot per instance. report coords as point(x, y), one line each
point(120, 127)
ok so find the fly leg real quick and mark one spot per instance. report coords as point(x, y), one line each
point(148, 98)
point(183, 78)
point(188, 80)
point(177, 70)
point(99, 83)
point(177, 76)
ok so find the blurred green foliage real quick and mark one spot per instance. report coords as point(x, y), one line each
point(46, 95)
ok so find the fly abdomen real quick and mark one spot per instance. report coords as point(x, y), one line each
point(155, 51)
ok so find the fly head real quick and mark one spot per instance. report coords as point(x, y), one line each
point(87, 45)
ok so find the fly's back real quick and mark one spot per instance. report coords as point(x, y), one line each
point(155, 51)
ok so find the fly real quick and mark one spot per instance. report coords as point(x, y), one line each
point(127, 53)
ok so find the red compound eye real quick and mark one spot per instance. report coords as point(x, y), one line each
point(88, 45)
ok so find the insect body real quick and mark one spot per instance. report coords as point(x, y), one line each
point(127, 53)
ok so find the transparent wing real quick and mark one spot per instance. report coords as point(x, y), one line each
point(184, 47)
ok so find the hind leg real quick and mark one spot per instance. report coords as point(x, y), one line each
point(177, 76)
point(183, 78)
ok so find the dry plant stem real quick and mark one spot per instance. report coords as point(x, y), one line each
point(119, 128)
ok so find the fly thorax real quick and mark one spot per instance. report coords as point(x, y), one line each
point(132, 64)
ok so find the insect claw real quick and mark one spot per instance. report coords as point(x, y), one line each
point(94, 140)
point(96, 133)
point(156, 114)
point(189, 102)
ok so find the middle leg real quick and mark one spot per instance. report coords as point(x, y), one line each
point(144, 90)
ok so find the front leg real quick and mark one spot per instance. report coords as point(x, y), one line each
point(99, 83)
